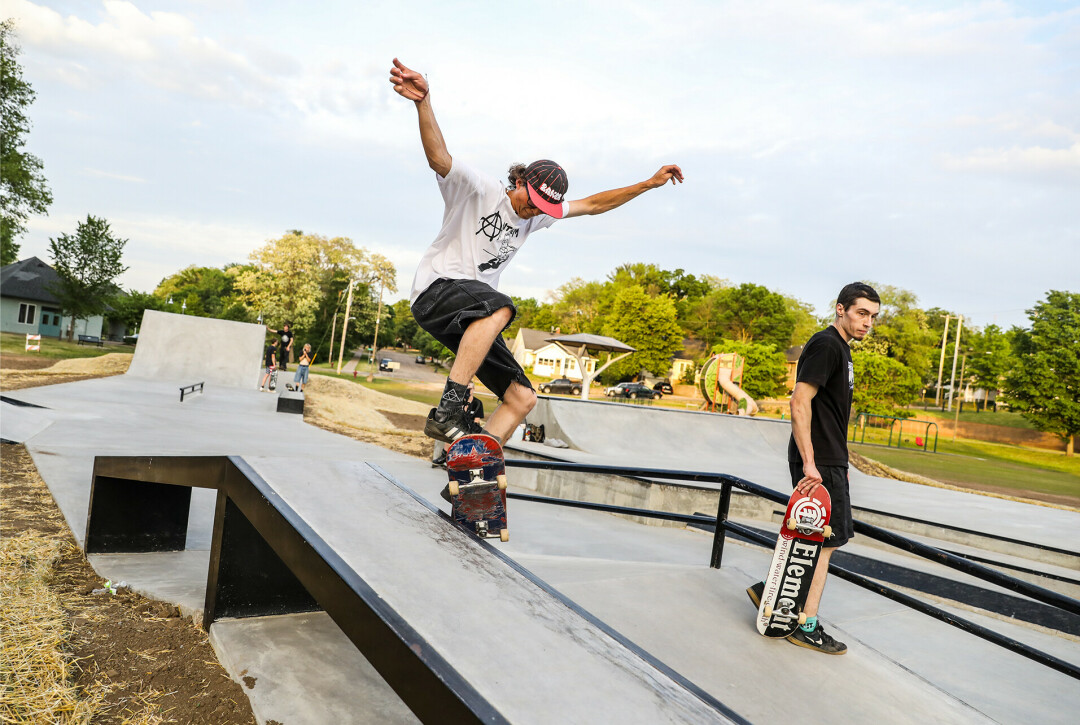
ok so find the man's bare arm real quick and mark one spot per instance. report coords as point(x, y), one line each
point(608, 200)
point(412, 85)
point(801, 415)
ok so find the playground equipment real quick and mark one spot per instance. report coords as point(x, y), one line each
point(719, 384)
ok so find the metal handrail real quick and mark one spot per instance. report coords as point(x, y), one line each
point(722, 525)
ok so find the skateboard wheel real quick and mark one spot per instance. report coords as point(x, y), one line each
point(504, 536)
point(802, 618)
point(826, 531)
point(454, 490)
point(768, 611)
point(501, 479)
point(791, 524)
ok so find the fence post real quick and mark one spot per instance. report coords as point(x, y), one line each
point(721, 518)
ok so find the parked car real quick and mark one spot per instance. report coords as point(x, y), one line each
point(561, 385)
point(663, 387)
point(384, 365)
point(632, 390)
point(420, 360)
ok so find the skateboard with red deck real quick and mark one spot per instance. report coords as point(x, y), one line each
point(477, 485)
point(804, 530)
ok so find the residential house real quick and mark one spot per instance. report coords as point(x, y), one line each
point(531, 348)
point(27, 306)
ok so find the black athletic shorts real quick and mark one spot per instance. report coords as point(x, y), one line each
point(449, 306)
point(835, 480)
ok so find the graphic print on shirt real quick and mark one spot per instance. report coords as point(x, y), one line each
point(496, 231)
point(851, 376)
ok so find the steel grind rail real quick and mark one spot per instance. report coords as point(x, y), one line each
point(952, 561)
point(756, 537)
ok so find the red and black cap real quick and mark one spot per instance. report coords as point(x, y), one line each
point(547, 186)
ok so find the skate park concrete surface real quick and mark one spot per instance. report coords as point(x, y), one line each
point(650, 585)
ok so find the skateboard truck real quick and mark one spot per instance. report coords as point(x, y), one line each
point(477, 483)
point(806, 526)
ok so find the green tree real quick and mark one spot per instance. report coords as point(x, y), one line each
point(87, 263)
point(23, 188)
point(904, 333)
point(127, 309)
point(764, 367)
point(753, 313)
point(883, 386)
point(1044, 385)
point(213, 289)
point(648, 324)
point(990, 358)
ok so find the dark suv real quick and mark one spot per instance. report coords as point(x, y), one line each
point(561, 385)
point(632, 390)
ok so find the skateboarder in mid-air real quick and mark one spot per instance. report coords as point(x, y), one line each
point(454, 293)
point(817, 451)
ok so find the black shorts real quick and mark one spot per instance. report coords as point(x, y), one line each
point(835, 480)
point(449, 306)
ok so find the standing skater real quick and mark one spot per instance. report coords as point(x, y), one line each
point(817, 451)
point(454, 295)
point(284, 344)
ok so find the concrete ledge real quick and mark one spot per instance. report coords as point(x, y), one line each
point(290, 401)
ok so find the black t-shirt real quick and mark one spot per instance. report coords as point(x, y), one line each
point(270, 351)
point(826, 363)
point(286, 338)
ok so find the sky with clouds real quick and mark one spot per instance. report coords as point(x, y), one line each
point(933, 146)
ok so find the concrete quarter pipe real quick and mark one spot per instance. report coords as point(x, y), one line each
point(187, 349)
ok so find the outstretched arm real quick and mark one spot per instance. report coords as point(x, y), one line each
point(608, 200)
point(412, 85)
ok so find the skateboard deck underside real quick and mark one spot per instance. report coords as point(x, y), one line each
point(475, 463)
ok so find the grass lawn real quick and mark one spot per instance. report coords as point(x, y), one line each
point(51, 348)
point(1006, 418)
point(992, 466)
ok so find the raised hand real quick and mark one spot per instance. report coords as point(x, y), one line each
point(671, 173)
point(408, 83)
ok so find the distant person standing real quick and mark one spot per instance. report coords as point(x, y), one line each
point(285, 343)
point(301, 377)
point(271, 364)
point(817, 451)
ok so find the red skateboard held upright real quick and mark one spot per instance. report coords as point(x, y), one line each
point(478, 485)
point(805, 528)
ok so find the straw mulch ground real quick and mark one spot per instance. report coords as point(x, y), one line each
point(68, 655)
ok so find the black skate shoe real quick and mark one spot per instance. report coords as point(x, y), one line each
point(448, 426)
point(818, 640)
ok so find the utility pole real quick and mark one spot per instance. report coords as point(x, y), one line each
point(956, 421)
point(941, 362)
point(955, 356)
point(375, 342)
point(345, 327)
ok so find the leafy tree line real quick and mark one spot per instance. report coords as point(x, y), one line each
point(23, 188)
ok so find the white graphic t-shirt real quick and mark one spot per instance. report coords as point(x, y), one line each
point(480, 231)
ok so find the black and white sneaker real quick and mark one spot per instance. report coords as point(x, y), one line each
point(448, 426)
point(819, 640)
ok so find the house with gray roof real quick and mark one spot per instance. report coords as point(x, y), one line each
point(27, 306)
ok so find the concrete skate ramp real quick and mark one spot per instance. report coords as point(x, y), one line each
point(754, 448)
point(186, 349)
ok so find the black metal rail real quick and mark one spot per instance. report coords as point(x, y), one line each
point(723, 526)
point(189, 389)
point(952, 561)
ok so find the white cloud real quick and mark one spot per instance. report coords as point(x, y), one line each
point(111, 175)
point(1063, 163)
